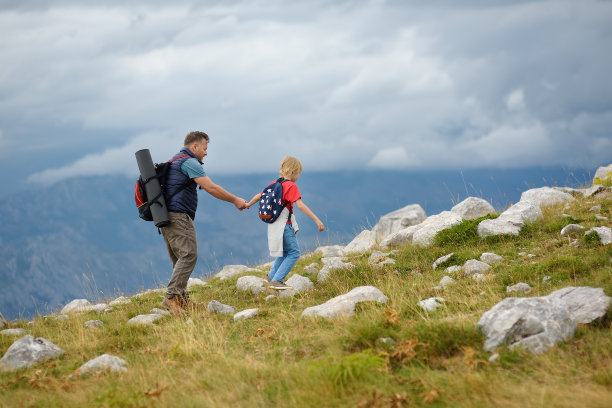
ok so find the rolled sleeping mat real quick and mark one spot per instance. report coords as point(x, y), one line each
point(159, 210)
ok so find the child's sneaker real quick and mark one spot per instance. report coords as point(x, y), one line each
point(280, 286)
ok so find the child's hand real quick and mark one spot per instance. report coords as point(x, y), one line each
point(321, 226)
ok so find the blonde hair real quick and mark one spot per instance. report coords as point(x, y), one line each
point(289, 167)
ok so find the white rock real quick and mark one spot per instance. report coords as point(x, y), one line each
point(472, 208)
point(299, 283)
point(441, 260)
point(98, 308)
point(13, 332)
point(399, 238)
point(431, 304)
point(330, 265)
point(591, 191)
point(479, 277)
point(512, 220)
point(520, 287)
point(94, 324)
point(595, 208)
point(105, 362)
point(77, 305)
point(215, 306)
point(270, 297)
point(230, 271)
point(446, 281)
point(453, 269)
point(313, 268)
point(604, 233)
point(28, 351)
point(546, 278)
point(491, 258)
point(572, 230)
point(344, 305)
point(397, 220)
point(432, 225)
point(254, 284)
point(330, 250)
point(162, 312)
point(473, 266)
point(364, 242)
point(145, 319)
point(246, 314)
point(601, 217)
point(195, 282)
point(585, 303)
point(494, 357)
point(603, 173)
point(120, 301)
point(547, 196)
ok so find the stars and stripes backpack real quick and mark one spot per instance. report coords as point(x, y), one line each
point(271, 202)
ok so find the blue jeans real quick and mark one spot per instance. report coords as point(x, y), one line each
point(291, 253)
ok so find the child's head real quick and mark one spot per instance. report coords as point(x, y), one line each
point(290, 168)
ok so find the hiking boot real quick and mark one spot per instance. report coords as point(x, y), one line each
point(173, 305)
point(279, 286)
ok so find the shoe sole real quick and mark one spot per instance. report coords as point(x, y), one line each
point(281, 287)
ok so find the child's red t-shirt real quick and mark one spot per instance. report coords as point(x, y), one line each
point(291, 194)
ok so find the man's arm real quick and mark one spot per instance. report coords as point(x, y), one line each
point(219, 192)
point(304, 208)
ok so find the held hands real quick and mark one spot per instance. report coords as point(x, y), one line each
point(240, 203)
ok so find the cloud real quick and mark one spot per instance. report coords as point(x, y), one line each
point(516, 100)
point(392, 158)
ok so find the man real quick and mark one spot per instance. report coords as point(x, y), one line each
point(185, 175)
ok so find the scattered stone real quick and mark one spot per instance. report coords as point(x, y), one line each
point(472, 208)
point(215, 306)
point(512, 220)
point(145, 319)
point(399, 238)
point(491, 258)
point(379, 259)
point(479, 277)
point(364, 242)
point(531, 255)
point(28, 351)
point(522, 253)
point(254, 284)
point(189, 321)
point(270, 297)
point(120, 301)
point(230, 271)
point(160, 311)
point(246, 314)
point(432, 225)
point(312, 268)
point(604, 233)
point(473, 266)
point(105, 362)
point(453, 269)
point(195, 282)
point(520, 287)
point(61, 317)
point(571, 230)
point(494, 357)
point(344, 305)
point(446, 281)
point(441, 260)
point(547, 196)
point(431, 304)
point(585, 303)
point(546, 279)
point(595, 208)
point(601, 217)
point(299, 283)
point(13, 332)
point(94, 324)
point(77, 305)
point(330, 265)
point(397, 220)
point(329, 251)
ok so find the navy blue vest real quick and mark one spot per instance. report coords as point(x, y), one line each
point(185, 201)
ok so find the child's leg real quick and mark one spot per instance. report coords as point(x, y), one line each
point(291, 252)
point(275, 266)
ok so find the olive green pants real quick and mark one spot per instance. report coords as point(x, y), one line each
point(182, 244)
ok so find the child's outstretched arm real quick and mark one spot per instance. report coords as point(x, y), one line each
point(253, 200)
point(304, 208)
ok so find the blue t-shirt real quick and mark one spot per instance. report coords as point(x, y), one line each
point(192, 168)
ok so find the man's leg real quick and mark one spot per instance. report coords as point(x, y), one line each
point(291, 253)
point(181, 240)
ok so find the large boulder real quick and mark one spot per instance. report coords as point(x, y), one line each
point(364, 242)
point(344, 305)
point(432, 225)
point(28, 351)
point(512, 220)
point(230, 271)
point(472, 208)
point(330, 265)
point(546, 196)
point(401, 237)
point(585, 303)
point(604, 234)
point(105, 362)
point(397, 220)
point(251, 283)
point(603, 175)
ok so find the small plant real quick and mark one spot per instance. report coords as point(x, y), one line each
point(353, 367)
point(592, 239)
point(465, 233)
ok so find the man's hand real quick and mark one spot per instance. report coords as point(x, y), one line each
point(240, 203)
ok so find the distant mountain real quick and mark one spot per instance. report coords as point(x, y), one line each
point(83, 238)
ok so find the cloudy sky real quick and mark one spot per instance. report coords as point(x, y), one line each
point(341, 84)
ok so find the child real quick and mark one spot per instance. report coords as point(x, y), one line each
point(281, 233)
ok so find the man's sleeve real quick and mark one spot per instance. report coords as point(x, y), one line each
point(192, 168)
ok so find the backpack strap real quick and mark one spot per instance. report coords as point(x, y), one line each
point(290, 208)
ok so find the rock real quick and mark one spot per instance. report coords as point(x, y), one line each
point(512, 220)
point(547, 196)
point(299, 283)
point(441, 260)
point(601, 217)
point(532, 323)
point(431, 304)
point(472, 208)
point(330, 250)
point(397, 220)
point(379, 259)
point(189, 321)
point(105, 362)
point(270, 297)
point(432, 225)
point(344, 305)
point(604, 233)
point(230, 271)
point(77, 305)
point(28, 351)
point(399, 238)
point(595, 208)
point(61, 317)
point(571, 230)
point(473, 266)
point(479, 277)
point(603, 175)
point(453, 269)
point(520, 287)
point(120, 301)
point(13, 332)
point(494, 357)
point(491, 258)
point(246, 314)
point(162, 312)
point(195, 282)
point(330, 265)
point(251, 283)
point(145, 319)
point(364, 242)
point(546, 279)
point(215, 306)
point(94, 324)
point(313, 268)
point(98, 308)
point(591, 191)
point(585, 303)
point(446, 281)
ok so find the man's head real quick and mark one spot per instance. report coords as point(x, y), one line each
point(197, 142)
point(290, 168)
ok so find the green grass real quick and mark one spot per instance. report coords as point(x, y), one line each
point(433, 359)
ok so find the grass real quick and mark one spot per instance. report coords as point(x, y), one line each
point(429, 359)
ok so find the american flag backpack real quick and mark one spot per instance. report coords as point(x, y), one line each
point(271, 202)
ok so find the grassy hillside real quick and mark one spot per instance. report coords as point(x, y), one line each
point(280, 359)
